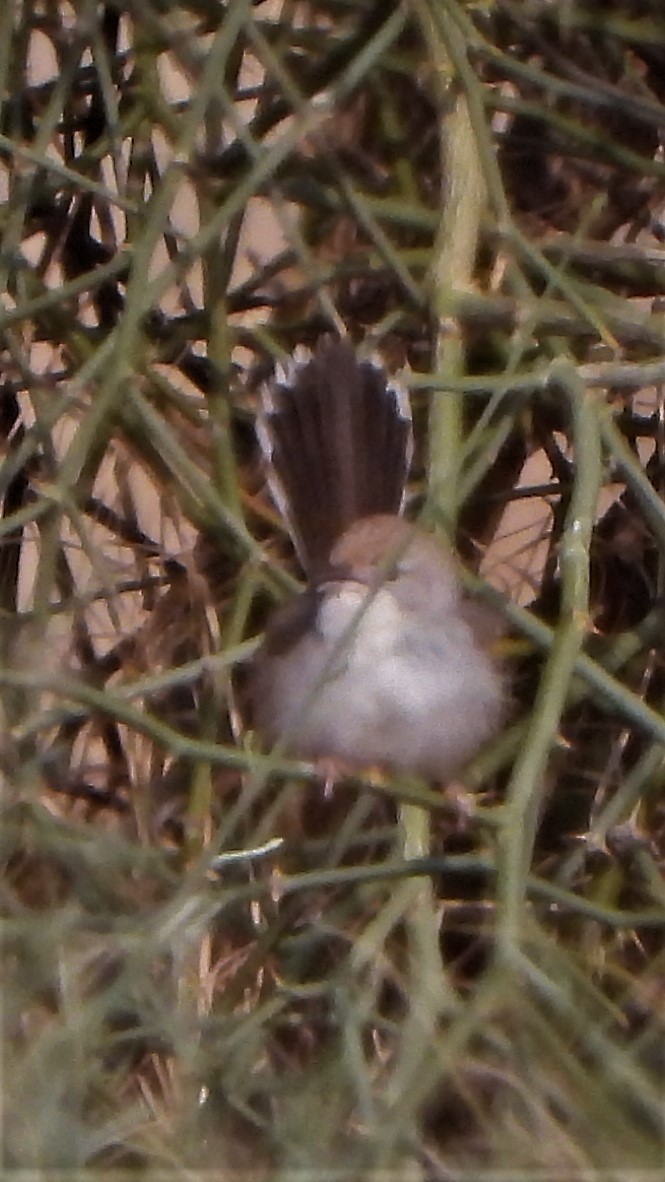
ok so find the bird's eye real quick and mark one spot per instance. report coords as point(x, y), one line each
point(393, 572)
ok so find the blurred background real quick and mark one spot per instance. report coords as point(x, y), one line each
point(209, 963)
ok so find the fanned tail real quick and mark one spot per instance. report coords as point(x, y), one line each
point(338, 440)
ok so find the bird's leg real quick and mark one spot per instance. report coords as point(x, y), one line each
point(330, 769)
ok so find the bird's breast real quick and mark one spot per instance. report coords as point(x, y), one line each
point(376, 684)
point(365, 624)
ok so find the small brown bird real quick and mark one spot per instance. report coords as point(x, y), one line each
point(383, 660)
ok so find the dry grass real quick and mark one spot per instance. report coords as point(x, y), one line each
point(207, 964)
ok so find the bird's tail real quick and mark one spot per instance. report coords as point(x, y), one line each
point(338, 440)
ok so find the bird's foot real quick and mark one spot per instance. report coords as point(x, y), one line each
point(330, 769)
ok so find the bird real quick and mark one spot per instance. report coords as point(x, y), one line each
point(383, 661)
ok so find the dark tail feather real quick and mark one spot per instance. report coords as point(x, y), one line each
point(337, 437)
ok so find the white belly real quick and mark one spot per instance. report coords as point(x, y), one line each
point(376, 687)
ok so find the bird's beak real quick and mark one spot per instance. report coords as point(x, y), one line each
point(368, 576)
